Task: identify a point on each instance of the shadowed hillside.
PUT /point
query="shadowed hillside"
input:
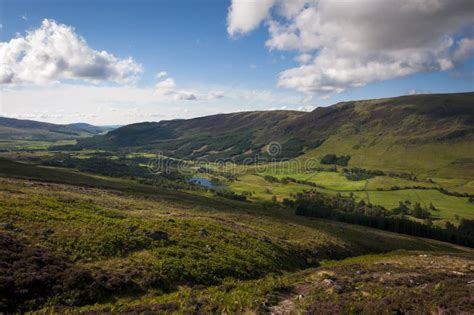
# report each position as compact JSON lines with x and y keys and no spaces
{"x":393,"y":133}
{"x":18,"y":129}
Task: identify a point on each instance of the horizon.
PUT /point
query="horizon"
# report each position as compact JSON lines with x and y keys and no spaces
{"x":109,"y":63}
{"x":264,"y":110}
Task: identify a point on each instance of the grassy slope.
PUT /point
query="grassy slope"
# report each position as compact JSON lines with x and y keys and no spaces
{"x":107,"y":222}
{"x":361,"y":285}
{"x":448,"y":160}
{"x":430,"y":135}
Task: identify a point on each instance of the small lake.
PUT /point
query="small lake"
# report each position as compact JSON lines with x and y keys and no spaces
{"x":201,"y":181}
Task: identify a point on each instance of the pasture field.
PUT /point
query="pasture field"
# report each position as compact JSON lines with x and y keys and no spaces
{"x":16,"y":145}
{"x":377,"y":190}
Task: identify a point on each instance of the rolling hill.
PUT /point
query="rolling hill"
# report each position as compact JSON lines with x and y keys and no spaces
{"x":18,"y":129}
{"x":431,"y":134}
{"x":78,"y":243}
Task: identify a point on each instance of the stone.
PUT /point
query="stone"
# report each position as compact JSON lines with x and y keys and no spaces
{"x":328,"y":282}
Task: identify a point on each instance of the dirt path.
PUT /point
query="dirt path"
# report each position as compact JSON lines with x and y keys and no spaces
{"x":287,"y":301}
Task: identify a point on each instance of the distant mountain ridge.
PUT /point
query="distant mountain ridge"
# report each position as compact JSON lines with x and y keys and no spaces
{"x":20,"y":129}
{"x":394,"y":133}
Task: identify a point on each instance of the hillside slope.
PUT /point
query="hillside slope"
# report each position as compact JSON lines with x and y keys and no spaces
{"x":18,"y":129}
{"x":85,"y":240}
{"x":425,"y":134}
{"x":400,"y":133}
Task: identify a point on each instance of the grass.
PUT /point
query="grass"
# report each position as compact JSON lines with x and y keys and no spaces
{"x":15,"y":145}
{"x":447,"y":206}
{"x":264,"y":190}
{"x":220,"y":255}
{"x":106,"y":231}
{"x":387,"y":182}
{"x":383,"y":154}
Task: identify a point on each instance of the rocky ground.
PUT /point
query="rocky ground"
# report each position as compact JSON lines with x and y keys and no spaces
{"x":413,"y":284}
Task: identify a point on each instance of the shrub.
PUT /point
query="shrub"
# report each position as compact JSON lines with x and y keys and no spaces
{"x":342,"y":160}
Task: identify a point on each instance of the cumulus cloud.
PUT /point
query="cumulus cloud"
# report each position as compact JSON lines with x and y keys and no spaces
{"x":246,"y":15}
{"x":54,"y":52}
{"x":357,"y":42}
{"x":303,"y":58}
{"x":167,"y":89}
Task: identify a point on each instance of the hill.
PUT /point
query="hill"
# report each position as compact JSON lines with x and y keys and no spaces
{"x":431,"y":134}
{"x":18,"y":129}
{"x":76,"y":242}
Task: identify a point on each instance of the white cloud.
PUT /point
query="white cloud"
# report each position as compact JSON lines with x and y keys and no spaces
{"x":166,"y":85}
{"x":168,"y":88}
{"x":306,"y":108}
{"x":246,"y":15}
{"x":465,"y":49}
{"x":303,"y":58}
{"x":126,"y":104}
{"x":416,"y":92}
{"x":24,"y":17}
{"x":54,"y":52}
{"x":214,"y":95}
{"x":161,"y":74}
{"x":356,"y":42}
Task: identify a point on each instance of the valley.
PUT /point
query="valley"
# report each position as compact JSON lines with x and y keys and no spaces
{"x":225,"y":214}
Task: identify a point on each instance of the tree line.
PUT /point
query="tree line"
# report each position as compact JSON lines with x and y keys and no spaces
{"x":347,"y":209}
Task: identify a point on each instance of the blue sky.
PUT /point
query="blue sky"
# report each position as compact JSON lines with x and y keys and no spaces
{"x":204,"y":51}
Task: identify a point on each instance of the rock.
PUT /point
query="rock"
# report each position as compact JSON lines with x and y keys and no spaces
{"x":209,"y":248}
{"x":328,"y":282}
{"x":7,"y":226}
{"x":457,"y":273}
{"x":203,"y":232}
{"x":157,"y":235}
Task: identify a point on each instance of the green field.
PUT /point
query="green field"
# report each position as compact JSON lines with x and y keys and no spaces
{"x":375,"y":190}
{"x":15,"y":145}
{"x":448,"y":207}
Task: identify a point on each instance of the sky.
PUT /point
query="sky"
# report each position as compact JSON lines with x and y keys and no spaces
{"x":117,"y":62}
